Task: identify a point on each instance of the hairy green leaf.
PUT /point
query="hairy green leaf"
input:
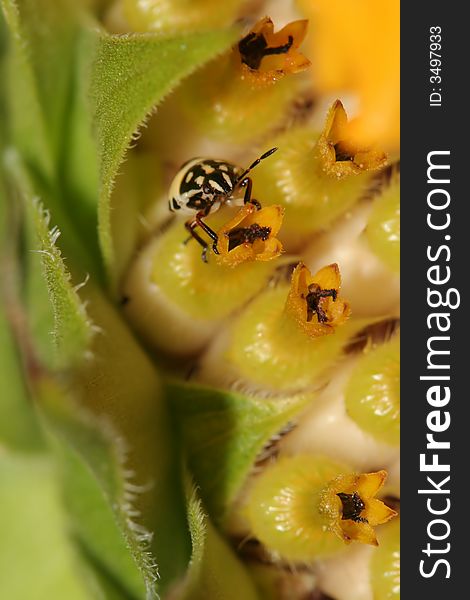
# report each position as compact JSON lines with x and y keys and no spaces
{"x":121,"y":480}
{"x":131,"y":75}
{"x":78,"y":167}
{"x":48,"y":111}
{"x":111,"y":410}
{"x":120,"y":384}
{"x":215,"y":572}
{"x":72,"y":330}
{"x":94,"y":476}
{"x":39,"y":76}
{"x":27,"y":123}
{"x":118,"y":425}
{"x":76,"y":98}
{"x":223,"y":432}
{"x":58,"y":317}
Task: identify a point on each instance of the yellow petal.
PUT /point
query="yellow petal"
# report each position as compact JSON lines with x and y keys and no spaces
{"x":269,"y":216}
{"x":295,"y":303}
{"x":370,"y":160}
{"x":368,"y":484}
{"x":296,"y":29}
{"x":345,"y":483}
{"x":315,"y":329}
{"x":265,"y":66}
{"x":360,"y":532}
{"x":236,"y":221}
{"x":264,"y":26}
{"x":336,"y":123}
{"x":258,"y":249}
{"x":328,"y":277}
{"x":301,"y":278}
{"x":338,"y":310}
{"x":376,"y":512}
{"x":223,"y":233}
{"x":272,"y":249}
{"x":361,"y":516}
{"x":292,"y":61}
{"x":235,"y":257}
{"x":340,"y":152}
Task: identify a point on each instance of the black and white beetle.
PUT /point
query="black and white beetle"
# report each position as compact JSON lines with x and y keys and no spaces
{"x":203,"y":185}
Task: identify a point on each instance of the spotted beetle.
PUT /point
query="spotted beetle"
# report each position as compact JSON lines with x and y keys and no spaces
{"x":203,"y":185}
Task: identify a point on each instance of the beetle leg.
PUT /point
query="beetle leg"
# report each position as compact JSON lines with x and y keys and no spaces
{"x":210,"y":232}
{"x":190,"y":225}
{"x":247,"y":197}
{"x":248,"y":184}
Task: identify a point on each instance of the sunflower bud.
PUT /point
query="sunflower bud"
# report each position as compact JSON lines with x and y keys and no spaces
{"x":315,"y":176}
{"x":170,"y":16}
{"x":244,"y":94}
{"x":278,"y":343}
{"x":250,"y":235}
{"x":177,"y":301}
{"x":306,"y":507}
{"x":313,"y":300}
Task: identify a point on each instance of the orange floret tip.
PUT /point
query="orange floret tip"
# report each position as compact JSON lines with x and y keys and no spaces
{"x":314,"y":300}
{"x":341,"y":155}
{"x":267,"y":56}
{"x":250,"y":235}
{"x":351,"y":505}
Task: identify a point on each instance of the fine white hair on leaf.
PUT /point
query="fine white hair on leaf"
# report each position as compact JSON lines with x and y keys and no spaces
{"x":54,"y":234}
{"x":82,"y":284}
{"x":96,"y":328}
{"x":138,"y":538}
{"x":138,"y":489}
{"x":45,"y":252}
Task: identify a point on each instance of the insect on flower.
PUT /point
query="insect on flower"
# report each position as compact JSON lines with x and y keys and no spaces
{"x":203,"y":185}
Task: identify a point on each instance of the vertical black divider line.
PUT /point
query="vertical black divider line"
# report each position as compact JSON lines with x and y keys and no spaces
{"x":427,"y":128}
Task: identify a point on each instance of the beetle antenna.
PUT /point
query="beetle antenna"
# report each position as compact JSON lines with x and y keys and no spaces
{"x":255,"y":163}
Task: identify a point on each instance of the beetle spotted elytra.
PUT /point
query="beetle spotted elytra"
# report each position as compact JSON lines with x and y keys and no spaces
{"x":203,"y":185}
